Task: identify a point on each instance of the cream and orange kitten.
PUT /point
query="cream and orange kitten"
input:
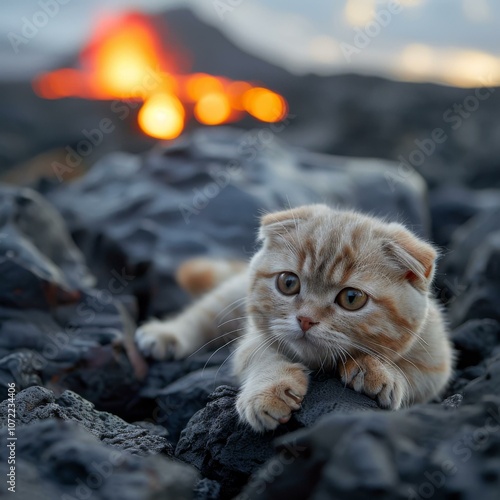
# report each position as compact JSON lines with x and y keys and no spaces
{"x":328,"y":289}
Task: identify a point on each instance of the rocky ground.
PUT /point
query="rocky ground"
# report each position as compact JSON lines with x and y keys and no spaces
{"x":82,"y":263}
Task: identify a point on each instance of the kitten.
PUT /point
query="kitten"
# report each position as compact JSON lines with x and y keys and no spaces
{"x":328,"y":289}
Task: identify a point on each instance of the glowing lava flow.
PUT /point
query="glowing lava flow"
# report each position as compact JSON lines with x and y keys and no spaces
{"x":125,"y":60}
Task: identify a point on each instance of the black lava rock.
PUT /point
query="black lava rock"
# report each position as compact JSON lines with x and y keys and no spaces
{"x":173,"y":391}
{"x":481,"y":282}
{"x":207,"y":489}
{"x":453,"y":205}
{"x":179,"y":401}
{"x":37,"y":403}
{"x":40,"y":263}
{"x":475,"y":340}
{"x":453,"y":402}
{"x":163,"y":373}
{"x":426,"y":451}
{"x":328,"y":395}
{"x":486,"y":382}
{"x":225,"y":450}
{"x":467,"y":276}
{"x":61,"y":459}
{"x":55,"y":328}
{"x":220,"y":447}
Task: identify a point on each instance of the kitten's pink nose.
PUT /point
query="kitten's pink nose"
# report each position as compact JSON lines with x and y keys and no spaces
{"x":306,"y":323}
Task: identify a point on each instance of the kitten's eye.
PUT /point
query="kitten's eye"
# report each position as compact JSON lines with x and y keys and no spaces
{"x":288,"y":284}
{"x":351,"y":299}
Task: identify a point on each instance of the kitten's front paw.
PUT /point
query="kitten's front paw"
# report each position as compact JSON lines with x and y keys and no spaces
{"x":372,"y":377}
{"x":265,"y":407}
{"x":160,"y":340}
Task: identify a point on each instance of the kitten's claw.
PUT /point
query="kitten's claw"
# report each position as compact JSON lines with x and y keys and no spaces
{"x":158,"y":340}
{"x":264,"y":408}
{"x":296,"y":397}
{"x":370,"y":376}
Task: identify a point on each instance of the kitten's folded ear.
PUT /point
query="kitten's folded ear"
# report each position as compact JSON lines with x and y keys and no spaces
{"x":282,"y":222}
{"x":414,"y":257}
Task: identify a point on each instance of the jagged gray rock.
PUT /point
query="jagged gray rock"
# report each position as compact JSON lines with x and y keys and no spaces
{"x":220,"y":447}
{"x":55,"y":327}
{"x":481,"y":281}
{"x":327,"y":394}
{"x":227,"y":451}
{"x":426,"y":451}
{"x":37,"y":404}
{"x":61,"y":459}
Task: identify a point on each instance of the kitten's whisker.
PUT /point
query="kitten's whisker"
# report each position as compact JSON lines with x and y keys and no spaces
{"x":268,"y":341}
{"x":293,"y":251}
{"x":281,"y":342}
{"x":232,"y":319}
{"x":217,"y":350}
{"x":234,"y":305}
{"x":381,"y":357}
{"x":296,"y":224}
{"x":346,"y":352}
{"x":396,"y":352}
{"x":341,"y":352}
{"x":355,"y":362}
{"x":215,"y":340}
{"x":265,"y":346}
{"x":262,"y":348}
{"x":322,"y":362}
{"x":219,"y":369}
{"x":418,"y":338}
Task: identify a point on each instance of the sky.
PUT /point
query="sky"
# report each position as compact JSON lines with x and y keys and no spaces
{"x":448,"y":41}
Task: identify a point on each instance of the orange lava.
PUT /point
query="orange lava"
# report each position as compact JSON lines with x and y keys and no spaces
{"x":125,"y":60}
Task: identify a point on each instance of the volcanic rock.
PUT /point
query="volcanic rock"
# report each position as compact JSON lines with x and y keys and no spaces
{"x":227,"y":451}
{"x":480,"y":286}
{"x":453,"y":205}
{"x":179,"y":401}
{"x":475,"y":340}
{"x":426,"y":451}
{"x":37,"y":403}
{"x":60,"y":459}
{"x":55,"y":327}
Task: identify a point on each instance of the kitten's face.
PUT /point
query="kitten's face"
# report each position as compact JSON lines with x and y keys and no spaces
{"x":326,"y":284}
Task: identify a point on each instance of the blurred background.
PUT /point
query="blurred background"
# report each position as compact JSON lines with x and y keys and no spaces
{"x":147,"y":69}
{"x":450,"y":41}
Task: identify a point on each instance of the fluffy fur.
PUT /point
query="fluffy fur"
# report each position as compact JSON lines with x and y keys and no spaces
{"x":394,"y":348}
